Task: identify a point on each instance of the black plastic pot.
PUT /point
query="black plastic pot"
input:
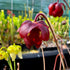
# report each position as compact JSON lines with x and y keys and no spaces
{"x":35,"y":61}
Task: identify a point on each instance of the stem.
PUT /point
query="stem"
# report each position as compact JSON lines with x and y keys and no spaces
{"x":2,"y":35}
{"x":2,"y":41}
{"x":64,"y":44}
{"x":66,"y":3}
{"x":29,"y":12}
{"x":55,"y":61}
{"x":12,"y":27}
{"x":18,"y":66}
{"x":62,"y":52}
{"x":11,"y":31}
{"x":25,"y":11}
{"x":43,"y":58}
{"x":14,"y":65}
{"x":9,"y":63}
{"x":53,"y":35}
{"x":60,"y":66}
{"x":57,"y":1}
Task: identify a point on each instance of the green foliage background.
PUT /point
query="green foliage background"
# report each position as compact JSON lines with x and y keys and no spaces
{"x":9,"y":26}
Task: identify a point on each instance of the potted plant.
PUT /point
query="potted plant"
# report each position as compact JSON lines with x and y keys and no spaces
{"x":35,"y":32}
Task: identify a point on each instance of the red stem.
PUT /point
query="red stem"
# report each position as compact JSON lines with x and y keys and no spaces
{"x":43,"y":59}
{"x":60,"y":65}
{"x":55,"y":62}
{"x":62,"y":53}
{"x":66,"y":3}
{"x":53,"y":35}
{"x":57,"y":1}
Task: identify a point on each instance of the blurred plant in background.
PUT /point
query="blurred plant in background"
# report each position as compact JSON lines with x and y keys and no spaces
{"x":60,"y":25}
{"x":6,"y":27}
{"x":9,"y":54}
